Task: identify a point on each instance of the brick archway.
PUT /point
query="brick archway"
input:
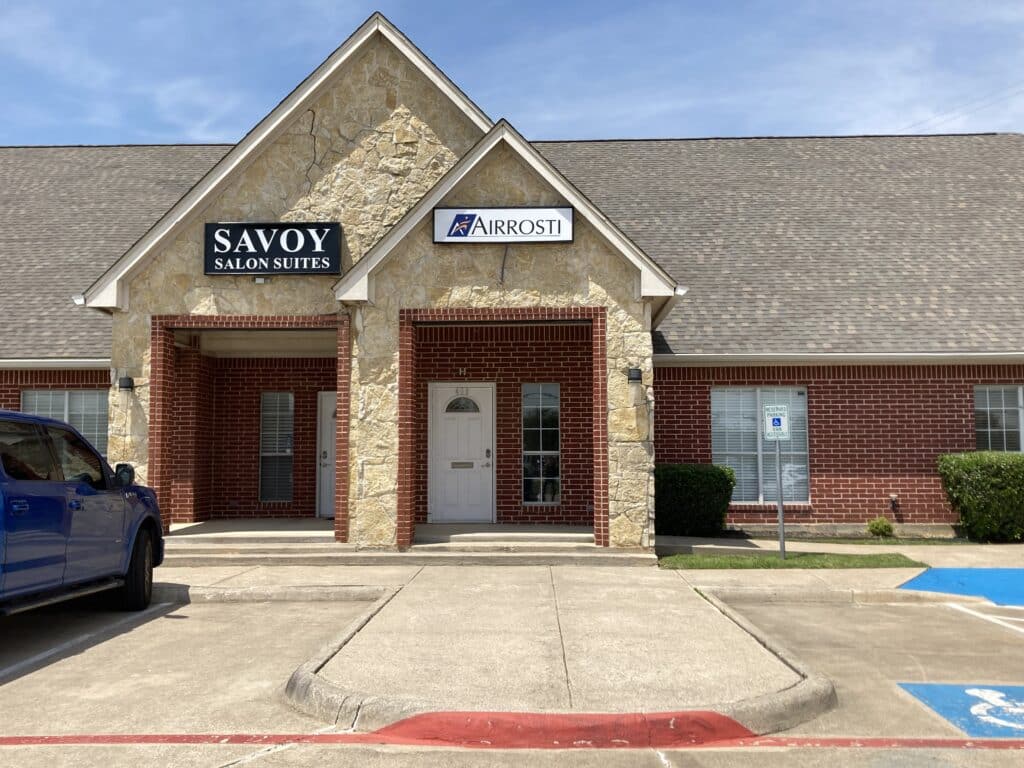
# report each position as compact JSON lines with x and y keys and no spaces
{"x":410,"y":420}
{"x":164,"y":421}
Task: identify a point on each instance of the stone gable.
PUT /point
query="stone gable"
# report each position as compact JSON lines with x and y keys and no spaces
{"x":363,"y":154}
{"x":422,"y":274}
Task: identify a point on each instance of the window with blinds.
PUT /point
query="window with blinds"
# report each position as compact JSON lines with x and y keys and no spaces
{"x":998,"y":413}
{"x":84,"y":409}
{"x":277,"y":434}
{"x":737,"y":442}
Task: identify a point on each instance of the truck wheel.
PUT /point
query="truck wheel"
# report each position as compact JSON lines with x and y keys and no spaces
{"x":138,"y":582}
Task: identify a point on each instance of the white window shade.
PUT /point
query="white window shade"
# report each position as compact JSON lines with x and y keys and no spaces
{"x":84,"y":409}
{"x":737,"y":442}
{"x":277,"y":435}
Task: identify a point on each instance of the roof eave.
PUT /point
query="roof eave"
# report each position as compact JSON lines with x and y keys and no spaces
{"x":107,"y":291}
{"x":356,"y":285}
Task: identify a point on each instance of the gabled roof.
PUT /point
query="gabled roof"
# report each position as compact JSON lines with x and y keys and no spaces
{"x":64,"y":211}
{"x":108,"y":291}
{"x":356,"y":284}
{"x":889,"y":248}
{"x":857,"y":246}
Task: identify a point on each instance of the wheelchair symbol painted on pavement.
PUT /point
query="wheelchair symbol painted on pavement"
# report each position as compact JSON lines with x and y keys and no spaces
{"x":996,"y":709}
{"x":985,"y":711}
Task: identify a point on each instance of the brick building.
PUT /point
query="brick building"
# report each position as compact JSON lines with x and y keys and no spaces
{"x":513,"y":332}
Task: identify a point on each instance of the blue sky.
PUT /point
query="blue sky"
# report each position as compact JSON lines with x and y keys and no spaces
{"x":93,"y":72}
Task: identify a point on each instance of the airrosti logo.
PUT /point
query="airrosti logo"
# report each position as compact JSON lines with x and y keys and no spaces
{"x":503,"y":225}
{"x":461,"y":224}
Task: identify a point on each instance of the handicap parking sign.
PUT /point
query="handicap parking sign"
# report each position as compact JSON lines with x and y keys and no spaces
{"x":980,"y":711}
{"x":776,"y":422}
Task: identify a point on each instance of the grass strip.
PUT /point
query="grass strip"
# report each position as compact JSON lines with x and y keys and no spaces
{"x":793,"y":560}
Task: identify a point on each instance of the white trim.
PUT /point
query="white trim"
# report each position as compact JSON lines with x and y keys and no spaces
{"x":54,"y":364}
{"x":668,"y":306}
{"x":834,"y":358}
{"x":356,"y":285}
{"x":109,"y":290}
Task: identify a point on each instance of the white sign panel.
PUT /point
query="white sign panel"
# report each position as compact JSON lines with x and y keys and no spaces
{"x":503,"y":225}
{"x":776,"y":422}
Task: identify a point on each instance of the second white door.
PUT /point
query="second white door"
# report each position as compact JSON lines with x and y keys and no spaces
{"x":461,"y":453}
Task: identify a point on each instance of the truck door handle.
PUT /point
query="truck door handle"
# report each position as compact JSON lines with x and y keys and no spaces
{"x":74,"y":504}
{"x":19,"y":506}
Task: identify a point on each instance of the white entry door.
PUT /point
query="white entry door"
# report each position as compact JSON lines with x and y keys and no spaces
{"x":326,"y":420}
{"x":461,"y":453}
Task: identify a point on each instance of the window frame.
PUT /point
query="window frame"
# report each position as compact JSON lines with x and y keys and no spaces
{"x":289,"y":453}
{"x":988,"y":410}
{"x":66,"y":415}
{"x":761,"y":449}
{"x":540,"y":451}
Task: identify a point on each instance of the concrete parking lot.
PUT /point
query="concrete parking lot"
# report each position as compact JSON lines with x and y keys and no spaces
{"x":201,"y":684}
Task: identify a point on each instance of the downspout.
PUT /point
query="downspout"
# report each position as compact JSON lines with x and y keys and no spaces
{"x":649,"y":538}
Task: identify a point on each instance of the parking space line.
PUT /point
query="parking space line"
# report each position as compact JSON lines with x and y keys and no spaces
{"x":67,"y":645}
{"x":986,"y":617}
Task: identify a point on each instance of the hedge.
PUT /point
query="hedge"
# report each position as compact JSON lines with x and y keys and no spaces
{"x":986,"y":489}
{"x":691,"y":499}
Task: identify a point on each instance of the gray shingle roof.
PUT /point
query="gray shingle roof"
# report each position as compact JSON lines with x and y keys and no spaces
{"x":806,"y":245}
{"x":788,"y":245}
{"x":66,"y":214}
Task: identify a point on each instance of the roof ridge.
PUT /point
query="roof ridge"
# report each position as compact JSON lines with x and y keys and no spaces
{"x":107,"y":146}
{"x":781,"y":138}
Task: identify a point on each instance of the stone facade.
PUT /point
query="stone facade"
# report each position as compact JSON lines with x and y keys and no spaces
{"x":363,"y":155}
{"x":366,"y":151}
{"x":422,"y":274}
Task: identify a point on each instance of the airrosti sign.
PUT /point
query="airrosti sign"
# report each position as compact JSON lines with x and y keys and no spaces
{"x":276,"y":248}
{"x":503,"y":225}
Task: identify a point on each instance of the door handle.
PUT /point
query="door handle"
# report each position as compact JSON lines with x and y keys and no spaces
{"x":19,"y":506}
{"x":74,"y":504}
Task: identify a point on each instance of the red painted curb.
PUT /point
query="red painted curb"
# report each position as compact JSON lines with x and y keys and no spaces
{"x":527,"y":730}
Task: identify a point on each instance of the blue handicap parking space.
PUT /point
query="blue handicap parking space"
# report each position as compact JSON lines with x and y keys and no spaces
{"x":980,"y":711}
{"x":1003,"y":586}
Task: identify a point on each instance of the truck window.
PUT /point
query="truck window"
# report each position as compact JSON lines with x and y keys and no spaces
{"x":24,"y":454}
{"x":78,"y":461}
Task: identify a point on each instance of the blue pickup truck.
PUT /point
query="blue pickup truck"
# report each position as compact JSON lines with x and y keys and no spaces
{"x":69,"y":526}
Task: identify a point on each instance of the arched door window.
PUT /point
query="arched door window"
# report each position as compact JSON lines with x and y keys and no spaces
{"x":462,"y":405}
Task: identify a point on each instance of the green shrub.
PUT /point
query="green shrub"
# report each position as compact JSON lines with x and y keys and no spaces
{"x":880,"y":526}
{"x":987,"y":490}
{"x":691,"y":499}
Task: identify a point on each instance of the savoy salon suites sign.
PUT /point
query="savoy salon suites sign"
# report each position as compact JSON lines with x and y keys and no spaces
{"x":503,"y":225}
{"x":277,"y":248}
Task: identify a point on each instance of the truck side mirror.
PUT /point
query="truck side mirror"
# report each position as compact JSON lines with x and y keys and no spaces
{"x":124,"y":475}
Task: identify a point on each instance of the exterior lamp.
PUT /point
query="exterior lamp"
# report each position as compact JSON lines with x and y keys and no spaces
{"x":634,"y":375}
{"x":126,"y":383}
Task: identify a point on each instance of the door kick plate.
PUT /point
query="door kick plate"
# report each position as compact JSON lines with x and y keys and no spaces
{"x":462,"y":465}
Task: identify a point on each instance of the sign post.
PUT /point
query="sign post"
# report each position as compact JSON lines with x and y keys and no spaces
{"x":776,"y":429}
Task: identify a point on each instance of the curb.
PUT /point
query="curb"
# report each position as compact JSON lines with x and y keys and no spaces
{"x":837,"y":596}
{"x":183,"y":594}
{"x":313,"y":695}
{"x":814,"y":695}
{"x":317,"y":697}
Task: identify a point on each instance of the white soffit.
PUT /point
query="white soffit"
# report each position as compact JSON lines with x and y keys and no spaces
{"x":109,"y":290}
{"x":355,"y":284}
{"x":837,"y":358}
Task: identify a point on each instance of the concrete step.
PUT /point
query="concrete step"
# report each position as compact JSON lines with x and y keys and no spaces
{"x":348,"y":556}
{"x":505,"y":537}
{"x":504,"y":545}
{"x":175,"y":539}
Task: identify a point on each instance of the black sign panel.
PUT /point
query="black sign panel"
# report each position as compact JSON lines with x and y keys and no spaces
{"x":277,"y":248}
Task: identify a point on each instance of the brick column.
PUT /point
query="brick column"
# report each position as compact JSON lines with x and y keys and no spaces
{"x":342,"y":428}
{"x":161,"y":394}
{"x":406,"y":429}
{"x":599,"y":371}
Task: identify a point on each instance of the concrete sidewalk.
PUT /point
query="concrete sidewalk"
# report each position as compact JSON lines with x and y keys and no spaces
{"x":935,"y":555}
{"x":555,"y":639}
